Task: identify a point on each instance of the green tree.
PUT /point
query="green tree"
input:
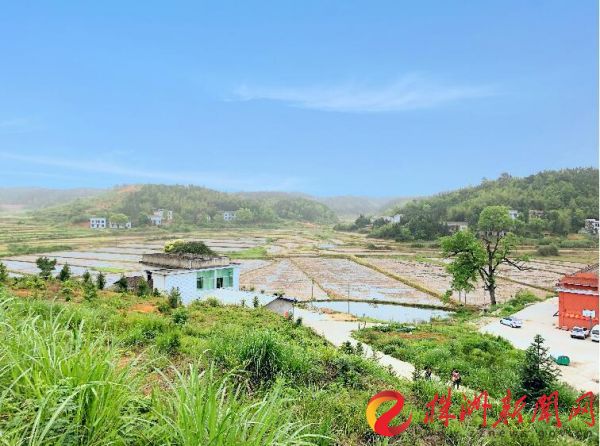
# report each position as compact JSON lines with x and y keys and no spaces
{"x":3,"y":273}
{"x":119,"y":219}
{"x":255,"y":302}
{"x":142,"y":288}
{"x":46,"y":266}
{"x":538,"y":373}
{"x":89,"y":292}
{"x":121,"y":284}
{"x":86,"y":276}
{"x":174,"y":298}
{"x":244,"y":215}
{"x":483,"y":253}
{"x":64,"y":273}
{"x":100,"y":281}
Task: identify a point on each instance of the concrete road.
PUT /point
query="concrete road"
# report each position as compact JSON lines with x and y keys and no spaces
{"x":338,"y":332}
{"x":538,"y":319}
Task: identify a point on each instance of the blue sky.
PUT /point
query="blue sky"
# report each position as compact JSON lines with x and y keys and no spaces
{"x":366,"y":98}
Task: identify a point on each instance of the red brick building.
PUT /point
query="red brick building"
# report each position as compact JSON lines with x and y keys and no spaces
{"x":578,"y":292}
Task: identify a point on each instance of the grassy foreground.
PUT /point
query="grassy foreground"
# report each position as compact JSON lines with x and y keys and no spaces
{"x":77,"y":369}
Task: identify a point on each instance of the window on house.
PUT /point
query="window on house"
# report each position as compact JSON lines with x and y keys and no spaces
{"x":219,"y":282}
{"x":200,"y":283}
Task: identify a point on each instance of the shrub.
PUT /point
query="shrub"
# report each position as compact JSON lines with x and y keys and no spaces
{"x":3,"y":273}
{"x":100,"y":281}
{"x":255,"y":302}
{"x":168,"y":343}
{"x":46,"y":266}
{"x":89,"y":292}
{"x":86,"y":276}
{"x":547,"y":250}
{"x":121,"y":284}
{"x":174,"y":298}
{"x":212,"y":301}
{"x":64,"y":273}
{"x":180,"y":316}
{"x":188,"y":247}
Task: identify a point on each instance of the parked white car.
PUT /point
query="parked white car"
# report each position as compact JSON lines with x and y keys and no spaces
{"x":511,"y":321}
{"x":580,"y":332}
{"x":595,"y":333}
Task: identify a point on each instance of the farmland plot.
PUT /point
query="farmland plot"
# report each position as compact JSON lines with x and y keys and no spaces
{"x":435,"y":277}
{"x":284,"y":276}
{"x":342,"y":277}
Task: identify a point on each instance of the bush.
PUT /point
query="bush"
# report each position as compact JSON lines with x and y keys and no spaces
{"x":180,"y":316}
{"x":168,"y":343}
{"x":548,"y":250}
{"x":100,"y":281}
{"x":191,"y":247}
{"x":174,"y":298}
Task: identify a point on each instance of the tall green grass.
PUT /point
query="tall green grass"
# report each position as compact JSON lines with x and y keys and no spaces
{"x":64,"y":383}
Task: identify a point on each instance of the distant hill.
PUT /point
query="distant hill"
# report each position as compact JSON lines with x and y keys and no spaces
{"x":350,"y":207}
{"x":566,"y":198}
{"x":192,"y":205}
{"x":14,"y":199}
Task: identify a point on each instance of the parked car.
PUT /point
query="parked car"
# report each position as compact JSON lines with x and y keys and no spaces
{"x":595,"y":333}
{"x":580,"y":332}
{"x":512,"y":321}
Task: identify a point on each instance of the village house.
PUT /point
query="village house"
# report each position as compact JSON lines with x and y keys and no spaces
{"x":513,"y":214}
{"x":194,"y":275}
{"x":455,"y":226}
{"x":161,"y":216}
{"x":535,"y":213}
{"x":578,"y":299}
{"x":396,"y":218}
{"x":98,"y":223}
{"x":228,"y":215}
{"x":591,"y":225}
{"x":113,"y":225}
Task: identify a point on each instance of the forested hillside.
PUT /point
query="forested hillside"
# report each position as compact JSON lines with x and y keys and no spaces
{"x":567,"y":197}
{"x":191,"y":205}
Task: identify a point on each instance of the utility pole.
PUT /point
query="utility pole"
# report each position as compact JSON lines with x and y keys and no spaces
{"x":348,"y":297}
{"x":312,"y":289}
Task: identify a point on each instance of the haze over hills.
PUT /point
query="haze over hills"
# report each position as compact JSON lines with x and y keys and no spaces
{"x":14,"y":199}
{"x":574,"y":191}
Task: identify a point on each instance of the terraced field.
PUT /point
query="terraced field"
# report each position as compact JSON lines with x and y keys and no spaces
{"x":343,"y":279}
{"x":434,"y":276}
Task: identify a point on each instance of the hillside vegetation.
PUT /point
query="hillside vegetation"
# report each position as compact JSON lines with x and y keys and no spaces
{"x":85,"y":366}
{"x":567,"y":197}
{"x":192,"y":205}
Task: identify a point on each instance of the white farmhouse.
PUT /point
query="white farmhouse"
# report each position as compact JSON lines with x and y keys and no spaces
{"x":195,"y":276}
{"x":113,"y":225}
{"x":228,"y":215}
{"x":98,"y":223}
{"x":454,"y":226}
{"x":161,"y":216}
{"x":592,"y":225}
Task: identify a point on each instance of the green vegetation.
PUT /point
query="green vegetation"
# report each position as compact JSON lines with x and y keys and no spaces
{"x":480,"y":256}
{"x":566,"y":198}
{"x":192,"y":206}
{"x":521,"y":300}
{"x":538,"y":372}
{"x":188,"y":247}
{"x":258,"y":252}
{"x":547,"y":251}
{"x":109,"y":371}
{"x":46,"y":266}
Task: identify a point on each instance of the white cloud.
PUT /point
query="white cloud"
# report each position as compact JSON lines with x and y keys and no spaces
{"x":408,"y":93}
{"x":218,"y":180}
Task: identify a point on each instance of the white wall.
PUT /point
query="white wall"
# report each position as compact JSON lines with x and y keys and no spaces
{"x":186,"y":282}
